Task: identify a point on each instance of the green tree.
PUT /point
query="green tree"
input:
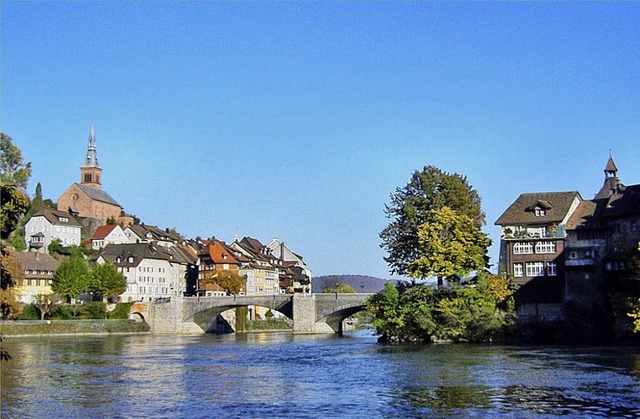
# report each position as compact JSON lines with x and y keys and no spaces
{"x":482,"y":311}
{"x":14,"y":205}
{"x":387,"y":312}
{"x":107,"y":281}
{"x":72,"y":278}
{"x":410,"y":207}
{"x":449,"y":245}
{"x":13,"y":169}
{"x":37,"y":203}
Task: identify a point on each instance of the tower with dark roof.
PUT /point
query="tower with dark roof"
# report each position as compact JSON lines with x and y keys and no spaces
{"x":611,"y":181}
{"x":90,"y":172}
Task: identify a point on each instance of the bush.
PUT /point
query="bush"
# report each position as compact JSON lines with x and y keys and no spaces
{"x":121,"y":312}
{"x":29,"y":312}
{"x":64,"y":312}
{"x":93,"y":310}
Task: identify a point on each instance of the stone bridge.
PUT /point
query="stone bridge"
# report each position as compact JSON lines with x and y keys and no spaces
{"x":311,"y":313}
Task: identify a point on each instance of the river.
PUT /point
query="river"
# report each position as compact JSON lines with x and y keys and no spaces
{"x":310,"y":376}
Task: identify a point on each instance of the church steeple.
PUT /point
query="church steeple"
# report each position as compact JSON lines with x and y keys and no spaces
{"x":91,"y":171}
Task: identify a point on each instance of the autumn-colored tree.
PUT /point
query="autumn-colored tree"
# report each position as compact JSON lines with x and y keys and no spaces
{"x":410,"y":207}
{"x":450,"y":244}
{"x":231,"y":282}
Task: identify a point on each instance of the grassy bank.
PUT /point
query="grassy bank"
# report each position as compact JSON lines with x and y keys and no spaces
{"x":70,"y":327}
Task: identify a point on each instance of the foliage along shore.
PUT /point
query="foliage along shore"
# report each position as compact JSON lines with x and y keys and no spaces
{"x":71,"y":327}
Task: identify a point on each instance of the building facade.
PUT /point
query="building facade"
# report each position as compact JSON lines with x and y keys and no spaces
{"x":39,"y":269}
{"x":48,"y":225}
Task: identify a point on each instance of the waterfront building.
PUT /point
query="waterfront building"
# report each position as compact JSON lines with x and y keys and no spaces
{"x":563,"y":249}
{"x":259,"y":266}
{"x":38,"y":269}
{"x":151,"y":271}
{"x":47,"y":225}
{"x":294,"y":275}
{"x":87,"y":199}
{"x":216,"y":257}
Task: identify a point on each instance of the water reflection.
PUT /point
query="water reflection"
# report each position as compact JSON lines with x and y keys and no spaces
{"x":285,"y":375}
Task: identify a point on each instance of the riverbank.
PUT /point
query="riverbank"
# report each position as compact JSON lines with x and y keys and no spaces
{"x":71,"y":327}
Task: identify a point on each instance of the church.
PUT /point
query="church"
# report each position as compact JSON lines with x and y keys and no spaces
{"x":87,"y":199}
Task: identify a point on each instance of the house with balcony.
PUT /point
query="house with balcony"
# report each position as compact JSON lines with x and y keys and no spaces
{"x":602,"y":234}
{"x":47,"y":225}
{"x":533,"y":235}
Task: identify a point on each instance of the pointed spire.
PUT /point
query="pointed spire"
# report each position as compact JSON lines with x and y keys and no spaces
{"x":92,"y":155}
{"x":610,"y":169}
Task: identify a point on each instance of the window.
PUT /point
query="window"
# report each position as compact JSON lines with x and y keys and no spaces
{"x":552,"y":269}
{"x":535,"y":268}
{"x":546,"y":247}
{"x":523,"y":248}
{"x":517,"y":270}
{"x":540,"y":212}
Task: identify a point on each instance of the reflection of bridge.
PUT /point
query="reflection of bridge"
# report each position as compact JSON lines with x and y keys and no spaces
{"x":315,"y":313}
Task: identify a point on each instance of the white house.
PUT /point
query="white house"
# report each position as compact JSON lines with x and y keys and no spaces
{"x":47,"y":225}
{"x":151,"y":271}
{"x":109,"y":234}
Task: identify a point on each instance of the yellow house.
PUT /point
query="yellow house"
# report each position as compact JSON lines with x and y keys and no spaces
{"x":38,"y":272}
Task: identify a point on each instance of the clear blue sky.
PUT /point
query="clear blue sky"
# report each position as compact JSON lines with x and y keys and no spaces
{"x":297,"y":120}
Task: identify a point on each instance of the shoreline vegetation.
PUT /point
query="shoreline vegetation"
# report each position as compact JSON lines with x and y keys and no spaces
{"x":14,"y":328}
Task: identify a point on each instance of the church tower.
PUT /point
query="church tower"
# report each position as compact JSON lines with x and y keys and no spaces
{"x":90,"y":173}
{"x":612,"y":183}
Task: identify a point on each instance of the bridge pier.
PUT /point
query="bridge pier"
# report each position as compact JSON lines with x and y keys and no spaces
{"x":304,"y":315}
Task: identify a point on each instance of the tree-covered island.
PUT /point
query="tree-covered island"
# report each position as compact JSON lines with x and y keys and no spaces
{"x":435,"y":232}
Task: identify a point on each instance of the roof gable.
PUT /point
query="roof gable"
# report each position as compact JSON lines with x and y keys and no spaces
{"x":98,"y":195}
{"x":522,"y":211}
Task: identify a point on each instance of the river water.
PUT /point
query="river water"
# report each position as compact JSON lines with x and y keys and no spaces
{"x":283,"y":375}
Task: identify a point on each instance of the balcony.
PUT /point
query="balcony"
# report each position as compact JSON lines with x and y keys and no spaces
{"x":579,"y":262}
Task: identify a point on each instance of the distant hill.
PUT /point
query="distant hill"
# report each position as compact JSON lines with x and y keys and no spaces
{"x":360,"y":283}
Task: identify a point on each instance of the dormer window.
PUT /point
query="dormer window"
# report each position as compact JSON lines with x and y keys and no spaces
{"x":539,"y":212}
{"x":118,"y":260}
{"x":63,"y":219}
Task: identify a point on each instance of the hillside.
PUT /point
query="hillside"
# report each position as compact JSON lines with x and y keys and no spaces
{"x":360,"y":283}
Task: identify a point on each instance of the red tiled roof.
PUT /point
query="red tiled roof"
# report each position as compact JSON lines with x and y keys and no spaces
{"x":103,"y":231}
